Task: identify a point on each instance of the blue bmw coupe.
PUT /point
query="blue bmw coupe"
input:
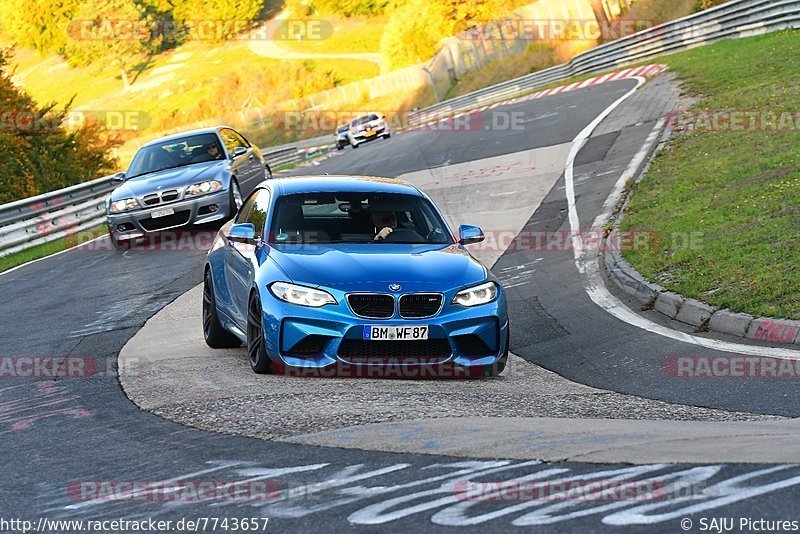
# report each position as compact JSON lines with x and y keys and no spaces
{"x":360,"y":272}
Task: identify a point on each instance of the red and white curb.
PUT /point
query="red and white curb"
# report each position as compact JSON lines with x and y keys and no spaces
{"x":645,"y":71}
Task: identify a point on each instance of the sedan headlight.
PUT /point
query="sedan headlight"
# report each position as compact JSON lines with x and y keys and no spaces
{"x":209,"y":186}
{"x":118,"y":206}
{"x":301,"y":295}
{"x":475,"y":296}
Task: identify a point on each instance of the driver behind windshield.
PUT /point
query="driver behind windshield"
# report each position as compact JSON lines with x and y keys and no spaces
{"x":210,"y":152}
{"x":385,"y":222}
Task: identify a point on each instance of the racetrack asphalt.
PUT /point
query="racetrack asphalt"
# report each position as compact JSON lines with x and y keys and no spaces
{"x":91,"y":302}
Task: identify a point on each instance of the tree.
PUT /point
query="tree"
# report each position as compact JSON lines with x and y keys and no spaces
{"x":38,"y":24}
{"x":111,"y":31}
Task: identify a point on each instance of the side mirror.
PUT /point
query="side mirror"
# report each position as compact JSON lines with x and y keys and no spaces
{"x":242,"y":233}
{"x":239,"y":151}
{"x":119,"y":177}
{"x":467,"y":235}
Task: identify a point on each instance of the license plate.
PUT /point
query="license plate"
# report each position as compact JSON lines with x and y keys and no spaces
{"x":395,"y":333}
{"x":370,"y":133}
{"x":162,"y":213}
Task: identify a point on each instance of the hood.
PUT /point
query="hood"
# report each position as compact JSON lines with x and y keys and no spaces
{"x":169,"y":179}
{"x":370,"y":267}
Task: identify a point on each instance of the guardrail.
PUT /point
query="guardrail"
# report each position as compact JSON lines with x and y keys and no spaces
{"x":50,"y":216}
{"x":738,"y":18}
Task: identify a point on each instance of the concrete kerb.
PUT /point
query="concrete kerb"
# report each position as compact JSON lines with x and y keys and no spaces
{"x":689,"y":311}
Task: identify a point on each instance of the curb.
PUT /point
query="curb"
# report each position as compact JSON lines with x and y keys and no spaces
{"x":685,"y":310}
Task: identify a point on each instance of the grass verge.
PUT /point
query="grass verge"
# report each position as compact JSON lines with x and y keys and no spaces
{"x":40,"y":251}
{"x":724,"y":203}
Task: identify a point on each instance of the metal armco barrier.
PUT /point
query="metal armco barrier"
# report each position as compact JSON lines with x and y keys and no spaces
{"x":738,"y":18}
{"x":50,"y":216}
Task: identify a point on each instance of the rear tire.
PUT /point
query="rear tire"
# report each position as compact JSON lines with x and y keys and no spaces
{"x":216,"y":337}
{"x":256,"y":348}
{"x":354,"y":145}
{"x":387,"y":136}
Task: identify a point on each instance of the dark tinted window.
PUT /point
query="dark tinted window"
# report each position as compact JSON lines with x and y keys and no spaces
{"x":356,"y":218}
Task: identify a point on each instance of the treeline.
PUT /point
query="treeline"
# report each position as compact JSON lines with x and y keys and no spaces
{"x":414,"y":27}
{"x":119,"y":31}
{"x":36,"y":154}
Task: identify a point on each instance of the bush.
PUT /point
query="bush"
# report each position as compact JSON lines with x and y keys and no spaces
{"x":37,"y":157}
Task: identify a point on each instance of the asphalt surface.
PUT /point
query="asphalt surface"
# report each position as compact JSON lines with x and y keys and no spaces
{"x":90,"y":302}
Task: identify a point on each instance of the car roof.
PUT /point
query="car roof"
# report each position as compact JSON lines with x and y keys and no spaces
{"x":341,"y":184}
{"x":210,"y":129}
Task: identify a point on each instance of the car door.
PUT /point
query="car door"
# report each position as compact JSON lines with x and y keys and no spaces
{"x":248,"y":167}
{"x":240,"y":269}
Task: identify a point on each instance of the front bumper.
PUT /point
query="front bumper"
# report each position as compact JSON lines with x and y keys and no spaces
{"x":360,"y":137}
{"x":197,"y":210}
{"x":465,"y":337}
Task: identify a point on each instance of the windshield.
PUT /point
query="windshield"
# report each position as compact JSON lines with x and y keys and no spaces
{"x":374,"y":218}
{"x":175,"y":153}
{"x":364,"y":119}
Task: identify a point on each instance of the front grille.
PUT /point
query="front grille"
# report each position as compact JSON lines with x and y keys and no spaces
{"x":156,"y":198}
{"x":308,"y":346}
{"x":418,"y":350}
{"x":169,"y":196}
{"x":176,"y":219}
{"x":372,"y":305}
{"x":420,"y":305}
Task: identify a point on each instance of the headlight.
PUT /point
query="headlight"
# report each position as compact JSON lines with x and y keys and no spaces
{"x":118,"y":206}
{"x":301,"y":295}
{"x":475,"y":296}
{"x":202,"y":188}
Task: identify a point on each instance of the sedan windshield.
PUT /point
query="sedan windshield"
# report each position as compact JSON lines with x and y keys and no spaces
{"x":373,"y":218}
{"x":175,"y":153}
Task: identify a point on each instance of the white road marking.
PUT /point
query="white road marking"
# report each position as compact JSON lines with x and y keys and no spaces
{"x":50,"y":255}
{"x":590,"y":270}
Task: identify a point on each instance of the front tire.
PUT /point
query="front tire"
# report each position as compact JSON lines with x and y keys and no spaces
{"x":387,"y":136}
{"x":500,"y":365}
{"x":235,"y":200}
{"x":256,"y":348}
{"x":216,"y":337}
{"x":267,"y":172}
{"x":119,"y":244}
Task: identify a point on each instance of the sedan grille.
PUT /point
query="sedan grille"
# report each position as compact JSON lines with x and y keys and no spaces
{"x":177,"y":219}
{"x":372,"y":305}
{"x":156,"y":198}
{"x":420,"y":305}
{"x":417,"y":350}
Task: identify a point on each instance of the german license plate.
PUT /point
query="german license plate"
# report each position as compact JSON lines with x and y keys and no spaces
{"x":162,"y":213}
{"x":395,"y":333}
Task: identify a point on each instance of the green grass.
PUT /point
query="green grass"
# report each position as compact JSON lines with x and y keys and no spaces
{"x":40,"y":251}
{"x":348,"y":36}
{"x":725,"y":206}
